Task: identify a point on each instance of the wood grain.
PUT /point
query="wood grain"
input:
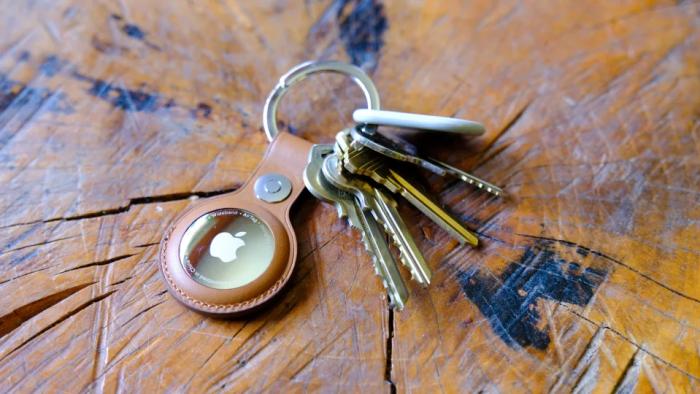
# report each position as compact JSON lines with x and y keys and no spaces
{"x":114,"y":116}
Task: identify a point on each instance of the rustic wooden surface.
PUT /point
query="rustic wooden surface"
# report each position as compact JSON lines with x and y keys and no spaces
{"x":115,"y":115}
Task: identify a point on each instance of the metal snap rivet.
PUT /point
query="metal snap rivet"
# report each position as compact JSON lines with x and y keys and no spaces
{"x":272,"y":187}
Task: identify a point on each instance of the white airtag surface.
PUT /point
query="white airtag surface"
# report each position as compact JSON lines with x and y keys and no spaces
{"x":226,"y":248}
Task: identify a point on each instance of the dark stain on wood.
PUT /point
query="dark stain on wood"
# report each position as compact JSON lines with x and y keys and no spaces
{"x":133,"y":30}
{"x":136,"y":99}
{"x":24,"y":56}
{"x":203,"y":109}
{"x":362,"y":25}
{"x":509,"y":301}
{"x":51,"y":65}
{"x":17,"y":94}
{"x":130,"y":100}
{"x":107,"y":47}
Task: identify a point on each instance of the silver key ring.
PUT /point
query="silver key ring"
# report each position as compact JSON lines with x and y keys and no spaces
{"x":301,"y":72}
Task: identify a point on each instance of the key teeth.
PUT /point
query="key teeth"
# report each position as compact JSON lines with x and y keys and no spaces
{"x":402,"y":253}
{"x":393,"y":303}
{"x":371,"y":254}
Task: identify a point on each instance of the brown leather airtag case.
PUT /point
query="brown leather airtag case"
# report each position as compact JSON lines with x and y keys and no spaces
{"x":232,"y":253}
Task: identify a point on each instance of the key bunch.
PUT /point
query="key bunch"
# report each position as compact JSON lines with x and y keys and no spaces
{"x":361,"y":174}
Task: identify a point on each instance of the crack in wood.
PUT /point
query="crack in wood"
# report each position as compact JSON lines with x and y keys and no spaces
{"x":319,"y":247}
{"x":613,"y":260}
{"x":389,"y":350}
{"x":630,"y":341}
{"x":146,"y":244}
{"x":132,"y":202}
{"x":244,"y":359}
{"x":142,"y":312}
{"x":17,"y":317}
{"x":57,"y":322}
{"x":24,"y":274}
{"x":121,"y":281}
{"x":98,"y":263}
{"x":4,"y":252}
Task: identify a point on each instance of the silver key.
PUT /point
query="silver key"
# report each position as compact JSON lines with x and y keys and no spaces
{"x":372,"y":235}
{"x":393,"y":149}
{"x":383,"y":209}
{"x":405,"y":151}
{"x":315,"y":183}
{"x":469,"y":178}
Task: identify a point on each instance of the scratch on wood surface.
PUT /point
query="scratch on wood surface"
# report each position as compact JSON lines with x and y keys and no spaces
{"x":589,"y":379}
{"x":117,"y":361}
{"x":635,"y":344}
{"x":584,"y":362}
{"x":559,"y":350}
{"x":628,"y":380}
{"x":101,"y":329}
{"x":510,"y":124}
{"x":313,"y":357}
{"x":206,"y":361}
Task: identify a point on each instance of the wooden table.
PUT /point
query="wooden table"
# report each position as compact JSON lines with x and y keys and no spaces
{"x":114,"y":116}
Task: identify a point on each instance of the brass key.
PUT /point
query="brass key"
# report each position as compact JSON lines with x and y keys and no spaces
{"x":362,"y":161}
{"x":382,"y":207}
{"x":349,"y":207}
{"x":405,"y":151}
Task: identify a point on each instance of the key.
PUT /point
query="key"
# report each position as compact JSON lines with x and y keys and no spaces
{"x":314,"y":182}
{"x":372,"y":235}
{"x":405,"y":151}
{"x":344,"y":148}
{"x":384,"y":210}
{"x":470,"y":179}
{"x":394,"y":150}
{"x":362,"y":161}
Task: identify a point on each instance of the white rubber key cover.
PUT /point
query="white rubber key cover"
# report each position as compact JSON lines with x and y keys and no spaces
{"x":418,"y":121}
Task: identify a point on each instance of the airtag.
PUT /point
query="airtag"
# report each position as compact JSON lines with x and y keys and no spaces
{"x":227,"y":248}
{"x":231,"y":254}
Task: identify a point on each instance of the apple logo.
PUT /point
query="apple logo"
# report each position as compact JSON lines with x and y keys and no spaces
{"x":225,"y":246}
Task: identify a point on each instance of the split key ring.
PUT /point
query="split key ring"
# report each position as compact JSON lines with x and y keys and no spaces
{"x":303,"y":71}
